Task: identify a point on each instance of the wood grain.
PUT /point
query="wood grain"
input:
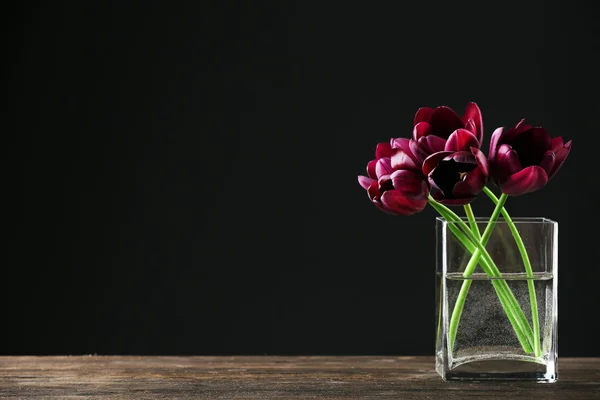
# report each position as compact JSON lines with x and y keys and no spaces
{"x":270,"y":377}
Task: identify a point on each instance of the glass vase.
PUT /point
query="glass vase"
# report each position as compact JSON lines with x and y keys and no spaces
{"x":490,"y":318}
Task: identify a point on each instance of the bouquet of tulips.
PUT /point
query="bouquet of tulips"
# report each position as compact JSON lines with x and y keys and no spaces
{"x":443,"y":165}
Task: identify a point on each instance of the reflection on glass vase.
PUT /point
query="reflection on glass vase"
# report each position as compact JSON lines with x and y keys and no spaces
{"x":496,"y":304}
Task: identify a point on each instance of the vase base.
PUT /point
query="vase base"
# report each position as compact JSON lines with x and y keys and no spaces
{"x":481,"y":376}
{"x":500,"y":370}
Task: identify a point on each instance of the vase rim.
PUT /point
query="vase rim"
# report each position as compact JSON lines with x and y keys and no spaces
{"x":516,"y":220}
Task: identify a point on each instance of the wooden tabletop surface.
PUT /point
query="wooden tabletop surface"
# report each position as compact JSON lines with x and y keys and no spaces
{"x":270,"y":377}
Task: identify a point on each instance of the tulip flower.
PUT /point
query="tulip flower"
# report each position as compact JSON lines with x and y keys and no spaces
{"x":459,"y":172}
{"x":433,"y":127}
{"x":395,"y":183}
{"x":522,"y":159}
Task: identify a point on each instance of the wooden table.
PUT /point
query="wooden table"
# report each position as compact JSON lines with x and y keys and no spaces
{"x":270,"y":377}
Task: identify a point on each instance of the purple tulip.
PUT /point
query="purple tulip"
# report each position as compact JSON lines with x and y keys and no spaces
{"x":522,"y":159}
{"x":395,"y":183}
{"x":433,"y":127}
{"x":459,"y":172}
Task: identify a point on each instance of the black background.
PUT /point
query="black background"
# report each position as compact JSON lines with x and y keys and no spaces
{"x":181,"y":176}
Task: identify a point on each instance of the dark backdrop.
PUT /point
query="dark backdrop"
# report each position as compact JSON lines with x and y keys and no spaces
{"x":181,"y":176}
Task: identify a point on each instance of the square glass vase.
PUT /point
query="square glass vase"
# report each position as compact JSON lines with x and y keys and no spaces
{"x":496,"y":301}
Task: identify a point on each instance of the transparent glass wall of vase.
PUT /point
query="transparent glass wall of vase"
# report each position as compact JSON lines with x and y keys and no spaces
{"x":486,"y":317}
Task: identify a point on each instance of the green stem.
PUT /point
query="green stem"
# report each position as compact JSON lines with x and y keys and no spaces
{"x":472,"y":221}
{"x":528,"y":270}
{"x":466,"y":285}
{"x":505,"y":295}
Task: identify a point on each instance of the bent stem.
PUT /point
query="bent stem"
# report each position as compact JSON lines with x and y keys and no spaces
{"x":528,"y":270}
{"x":507,"y":299}
{"x":472,"y":221}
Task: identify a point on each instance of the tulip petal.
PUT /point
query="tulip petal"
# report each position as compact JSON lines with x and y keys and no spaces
{"x":481,"y":160}
{"x":439,"y":197}
{"x":383,"y":167}
{"x":404,"y":144}
{"x":411,"y":184}
{"x":473,"y":113}
{"x":557,"y":143}
{"x":507,"y":163}
{"x":531,"y":145}
{"x":365,"y":182}
{"x":548,"y":162}
{"x":399,"y":143}
{"x":444,"y":121}
{"x":561,"y":156}
{"x":421,"y":129}
{"x":385,"y":183}
{"x":434,"y":185}
{"x":373,"y":191}
{"x":472,"y":184}
{"x":371,"y":170}
{"x":470,"y":126}
{"x":513,"y":133}
{"x":423,"y":114}
{"x":494,"y":141}
{"x":522,"y":127}
{"x":433,"y":160}
{"x":432,"y":143}
{"x":462,"y":157}
{"x":402,"y":160}
{"x":540,"y":136}
{"x":383,"y":150}
{"x":395,"y":202}
{"x":525,"y":181}
{"x":419,"y":151}
{"x":461,"y":140}
{"x":426,"y":146}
